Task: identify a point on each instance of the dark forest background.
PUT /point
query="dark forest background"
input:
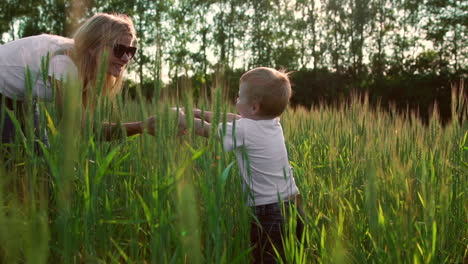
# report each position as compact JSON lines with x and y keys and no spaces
{"x":404,"y":53}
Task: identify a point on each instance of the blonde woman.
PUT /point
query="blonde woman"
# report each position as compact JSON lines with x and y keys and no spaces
{"x":69,"y":59}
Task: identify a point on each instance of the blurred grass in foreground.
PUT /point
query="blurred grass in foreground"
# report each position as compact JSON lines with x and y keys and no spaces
{"x":377,"y":188}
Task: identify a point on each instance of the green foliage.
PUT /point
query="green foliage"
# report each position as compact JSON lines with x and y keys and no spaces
{"x":377,"y":188}
{"x":304,"y":34}
{"x":363,"y":41}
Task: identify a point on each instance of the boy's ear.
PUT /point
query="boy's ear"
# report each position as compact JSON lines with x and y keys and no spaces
{"x":255,"y":108}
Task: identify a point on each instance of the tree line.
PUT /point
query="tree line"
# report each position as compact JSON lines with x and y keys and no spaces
{"x":403,"y":52}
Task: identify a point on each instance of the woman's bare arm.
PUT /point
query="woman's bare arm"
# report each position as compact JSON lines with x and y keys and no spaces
{"x":113,"y":130}
{"x":109,"y":130}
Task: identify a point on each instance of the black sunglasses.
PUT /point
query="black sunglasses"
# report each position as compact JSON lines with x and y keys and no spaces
{"x":119,"y":50}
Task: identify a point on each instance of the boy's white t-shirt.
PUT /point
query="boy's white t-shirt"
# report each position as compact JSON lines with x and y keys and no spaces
{"x":262,"y":141}
{"x":15,"y":56}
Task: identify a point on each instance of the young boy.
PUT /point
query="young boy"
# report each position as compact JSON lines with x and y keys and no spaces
{"x":256,"y":132}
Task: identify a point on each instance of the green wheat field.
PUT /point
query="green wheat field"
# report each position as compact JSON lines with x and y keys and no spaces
{"x":377,"y":187}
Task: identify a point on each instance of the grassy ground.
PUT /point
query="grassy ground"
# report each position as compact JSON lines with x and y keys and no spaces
{"x":377,"y":188}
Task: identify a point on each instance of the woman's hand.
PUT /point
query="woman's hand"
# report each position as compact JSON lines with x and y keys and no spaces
{"x":197,"y":113}
{"x":150,"y":125}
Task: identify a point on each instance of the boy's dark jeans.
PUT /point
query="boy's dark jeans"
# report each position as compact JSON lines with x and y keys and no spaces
{"x":269,"y":233}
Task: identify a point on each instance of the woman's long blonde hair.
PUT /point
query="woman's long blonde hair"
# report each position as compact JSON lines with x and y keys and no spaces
{"x":98,"y":35}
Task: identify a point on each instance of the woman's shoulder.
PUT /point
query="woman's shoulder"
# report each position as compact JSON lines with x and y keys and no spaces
{"x":55,"y":42}
{"x":55,"y":38}
{"x":37,"y":45}
{"x":42,"y":39}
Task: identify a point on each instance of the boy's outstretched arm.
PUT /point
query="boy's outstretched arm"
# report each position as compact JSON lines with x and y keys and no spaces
{"x":201,"y":127}
{"x":208,"y":115}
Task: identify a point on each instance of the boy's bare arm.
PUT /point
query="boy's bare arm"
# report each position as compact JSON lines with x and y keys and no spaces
{"x":201,"y":127}
{"x":208,"y":115}
{"x":231,"y":117}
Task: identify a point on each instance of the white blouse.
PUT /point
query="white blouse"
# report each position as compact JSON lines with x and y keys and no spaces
{"x":30,"y":52}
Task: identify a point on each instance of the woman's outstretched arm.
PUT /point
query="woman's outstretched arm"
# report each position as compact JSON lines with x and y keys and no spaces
{"x":113,"y":130}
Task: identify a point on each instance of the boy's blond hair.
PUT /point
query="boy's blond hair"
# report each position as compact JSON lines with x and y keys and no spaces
{"x":270,"y":88}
